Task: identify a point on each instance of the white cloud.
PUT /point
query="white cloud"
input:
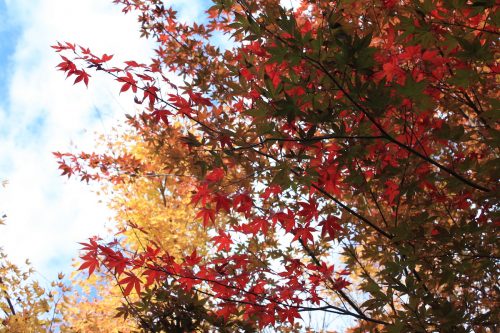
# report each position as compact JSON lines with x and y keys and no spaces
{"x":47,"y":214}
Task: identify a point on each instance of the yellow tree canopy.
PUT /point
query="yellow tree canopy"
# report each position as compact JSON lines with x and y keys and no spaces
{"x":152,"y":207}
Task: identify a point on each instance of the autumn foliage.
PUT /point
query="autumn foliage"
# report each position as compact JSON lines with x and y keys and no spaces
{"x":339,"y":157}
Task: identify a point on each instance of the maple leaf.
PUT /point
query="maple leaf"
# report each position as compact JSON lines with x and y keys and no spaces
{"x":273,"y":189}
{"x":273,"y":71}
{"x":117,"y":261}
{"x":304,"y":233}
{"x":59,"y":47}
{"x":226,"y":310}
{"x":296,"y":91}
{"x":391,"y":190}
{"x":85,"y":51}
{"x":223,"y":241}
{"x":161,"y":115}
{"x":207,"y":215}
{"x":67,"y":66}
{"x":260,"y":224}
{"x":289,"y":314}
{"x":222,"y":202}
{"x":202,"y":194}
{"x":90,"y":258}
{"x":243,"y":203}
{"x":151,"y":252}
{"x":246,"y":73}
{"x":96,"y":60}
{"x":90,"y":262}
{"x":256,"y":225}
{"x":330,"y":227}
{"x":411,"y":52}
{"x":151,"y":92}
{"x":309,"y":209}
{"x":181,"y":103}
{"x":131,"y":282}
{"x":81,"y":75}
{"x":153,"y":274}
{"x":188,"y":282}
{"x":214,"y":176}
{"x":193,"y":259}
{"x":132,"y":63}
{"x":249,"y":228}
{"x":197,"y":99}
{"x":391,"y":70}
{"x":105,"y":58}
{"x":256,"y":48}
{"x":287,"y":220}
{"x":128,"y":82}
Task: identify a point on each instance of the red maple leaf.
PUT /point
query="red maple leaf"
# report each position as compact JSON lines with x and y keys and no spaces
{"x":90,"y":259}
{"x":117,"y":261}
{"x":198,"y":99}
{"x":208,"y":215}
{"x":192,"y":259}
{"x":288,"y":314}
{"x":222,"y":202}
{"x":243,"y":203}
{"x":287,"y":220}
{"x":151,"y":92}
{"x":273,"y":189}
{"x":309,"y":209}
{"x":203,"y":195}
{"x":215,"y":175}
{"x":128,"y":82}
{"x":305,"y":234}
{"x":391,"y":191}
{"x":82,"y":76}
{"x":161,"y":115}
{"x":227,"y":310}
{"x":131,"y":282}
{"x":67,"y":66}
{"x":153,"y":274}
{"x":90,"y":262}
{"x":223,"y":241}
{"x":330,"y":227}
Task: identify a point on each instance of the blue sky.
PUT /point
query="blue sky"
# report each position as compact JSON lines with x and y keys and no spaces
{"x":9,"y":33}
{"x":41,"y":112}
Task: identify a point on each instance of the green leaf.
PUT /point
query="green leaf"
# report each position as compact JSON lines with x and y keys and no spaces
{"x":282,"y":178}
{"x":412,"y":88}
{"x":256,"y":112}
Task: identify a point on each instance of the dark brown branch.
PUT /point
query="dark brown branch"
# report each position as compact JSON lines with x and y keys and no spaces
{"x":312,"y":139}
{"x":9,"y":302}
{"x":136,"y":313}
{"x":341,"y":293}
{"x":331,"y":197}
{"x":300,"y":308}
{"x":205,"y":126}
{"x":374,"y":198}
{"x":466,"y":26}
